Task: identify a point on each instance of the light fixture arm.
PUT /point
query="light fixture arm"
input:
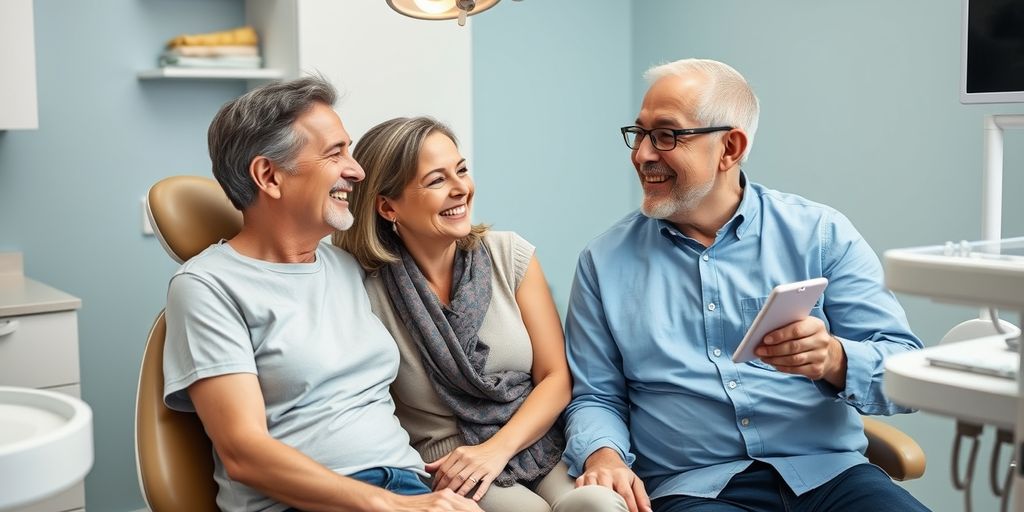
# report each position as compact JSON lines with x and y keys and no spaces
{"x":464,"y":6}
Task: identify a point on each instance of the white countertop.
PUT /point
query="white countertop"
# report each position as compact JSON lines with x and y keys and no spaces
{"x":983,"y":273}
{"x":20,"y":295}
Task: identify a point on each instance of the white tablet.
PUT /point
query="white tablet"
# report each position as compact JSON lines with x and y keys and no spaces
{"x":786,"y":304}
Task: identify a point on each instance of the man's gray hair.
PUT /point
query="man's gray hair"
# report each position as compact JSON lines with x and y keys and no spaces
{"x":259,"y":123}
{"x":727,"y":101}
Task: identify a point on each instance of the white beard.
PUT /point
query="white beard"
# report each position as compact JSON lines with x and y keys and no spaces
{"x":339,"y":219}
{"x":679,"y":202}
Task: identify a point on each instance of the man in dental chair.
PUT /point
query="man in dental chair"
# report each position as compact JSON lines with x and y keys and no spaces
{"x":270,"y":336}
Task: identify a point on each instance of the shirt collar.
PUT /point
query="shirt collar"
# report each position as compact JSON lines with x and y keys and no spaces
{"x":745,"y":216}
{"x":746,"y":213}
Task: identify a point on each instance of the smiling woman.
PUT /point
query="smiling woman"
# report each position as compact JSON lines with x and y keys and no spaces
{"x":410,"y":162}
{"x":434,"y":205}
{"x":483,"y":377}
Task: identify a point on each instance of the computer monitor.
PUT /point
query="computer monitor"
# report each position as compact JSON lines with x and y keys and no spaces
{"x":992,"y":52}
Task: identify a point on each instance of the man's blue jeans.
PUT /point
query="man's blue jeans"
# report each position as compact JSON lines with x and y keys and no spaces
{"x":760,"y":488}
{"x":398,"y":481}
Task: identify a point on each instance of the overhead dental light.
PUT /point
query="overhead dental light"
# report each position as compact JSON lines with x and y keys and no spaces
{"x":441,"y":9}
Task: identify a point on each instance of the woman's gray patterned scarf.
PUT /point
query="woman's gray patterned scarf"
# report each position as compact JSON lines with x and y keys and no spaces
{"x":454,"y":357}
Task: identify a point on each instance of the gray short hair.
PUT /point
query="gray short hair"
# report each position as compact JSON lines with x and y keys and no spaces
{"x":728,"y":99}
{"x":259,"y":123}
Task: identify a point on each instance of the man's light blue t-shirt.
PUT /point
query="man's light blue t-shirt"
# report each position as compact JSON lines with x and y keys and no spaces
{"x":654,"y":317}
{"x":323,"y":360}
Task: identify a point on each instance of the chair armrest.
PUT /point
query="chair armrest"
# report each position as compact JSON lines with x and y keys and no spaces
{"x":893,"y":451}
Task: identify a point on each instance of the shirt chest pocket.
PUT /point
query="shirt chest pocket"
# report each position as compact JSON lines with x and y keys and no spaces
{"x":749,"y":308}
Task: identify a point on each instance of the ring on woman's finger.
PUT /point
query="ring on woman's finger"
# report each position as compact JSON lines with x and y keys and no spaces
{"x":473,"y":480}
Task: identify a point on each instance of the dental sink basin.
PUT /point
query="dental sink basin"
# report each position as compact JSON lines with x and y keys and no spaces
{"x":45,"y":444}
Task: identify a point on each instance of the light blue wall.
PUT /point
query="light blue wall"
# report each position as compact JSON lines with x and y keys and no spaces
{"x":70,"y":191}
{"x":860,"y":111}
{"x":551,"y":86}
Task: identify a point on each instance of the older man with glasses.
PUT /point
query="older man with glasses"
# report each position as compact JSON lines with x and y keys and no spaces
{"x":661,"y":300}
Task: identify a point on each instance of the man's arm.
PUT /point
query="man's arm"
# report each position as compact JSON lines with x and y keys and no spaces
{"x":233,"y":413}
{"x":866,"y":321}
{"x":597,"y":430}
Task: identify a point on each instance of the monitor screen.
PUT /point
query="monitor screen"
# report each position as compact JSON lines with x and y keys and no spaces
{"x":992,"y":52}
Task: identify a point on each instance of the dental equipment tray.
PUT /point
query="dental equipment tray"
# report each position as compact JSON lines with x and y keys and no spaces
{"x":988,"y":273}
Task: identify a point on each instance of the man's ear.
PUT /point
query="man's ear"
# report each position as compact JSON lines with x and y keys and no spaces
{"x":385,"y":209}
{"x":266,"y":176}
{"x":735,"y":142}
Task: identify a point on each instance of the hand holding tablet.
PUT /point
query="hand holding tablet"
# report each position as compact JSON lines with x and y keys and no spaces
{"x":786,"y":304}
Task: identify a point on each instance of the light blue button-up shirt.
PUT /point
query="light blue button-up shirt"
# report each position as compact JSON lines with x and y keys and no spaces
{"x":654,"y":317}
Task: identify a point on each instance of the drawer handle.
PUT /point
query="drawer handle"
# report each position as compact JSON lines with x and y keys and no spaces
{"x":8,"y":327}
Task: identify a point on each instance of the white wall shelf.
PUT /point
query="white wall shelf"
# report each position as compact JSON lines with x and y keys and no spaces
{"x":211,"y":73}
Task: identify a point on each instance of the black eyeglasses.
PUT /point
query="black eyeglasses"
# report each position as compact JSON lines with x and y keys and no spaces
{"x":663,"y":139}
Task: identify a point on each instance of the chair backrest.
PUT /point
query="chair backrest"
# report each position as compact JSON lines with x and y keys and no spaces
{"x":188,"y":213}
{"x":173,"y":455}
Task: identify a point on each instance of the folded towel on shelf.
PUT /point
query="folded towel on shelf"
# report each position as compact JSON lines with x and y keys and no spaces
{"x":236,"y":36}
{"x":212,"y":51}
{"x":235,"y":61}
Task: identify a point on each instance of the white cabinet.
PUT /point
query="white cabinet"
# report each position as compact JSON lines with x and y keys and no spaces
{"x":17,"y":66}
{"x":39,"y":349}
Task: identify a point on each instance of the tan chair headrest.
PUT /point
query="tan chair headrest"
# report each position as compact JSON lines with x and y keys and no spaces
{"x":189,"y":213}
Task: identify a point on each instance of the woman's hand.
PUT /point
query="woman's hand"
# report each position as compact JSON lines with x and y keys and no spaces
{"x":467,"y":467}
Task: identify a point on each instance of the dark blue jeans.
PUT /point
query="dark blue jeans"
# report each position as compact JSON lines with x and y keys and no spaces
{"x":759,"y":488}
{"x":398,"y":481}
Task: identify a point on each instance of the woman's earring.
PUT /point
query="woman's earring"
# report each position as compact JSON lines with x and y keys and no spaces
{"x":394,"y":225}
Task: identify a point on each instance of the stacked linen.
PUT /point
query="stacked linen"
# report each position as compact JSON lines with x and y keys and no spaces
{"x":235,"y":48}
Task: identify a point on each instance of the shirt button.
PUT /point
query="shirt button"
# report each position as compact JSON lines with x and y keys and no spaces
{"x":732,"y":384}
{"x":705,"y":257}
{"x":716,"y":352}
{"x":745,"y":422}
{"x":711,"y":307}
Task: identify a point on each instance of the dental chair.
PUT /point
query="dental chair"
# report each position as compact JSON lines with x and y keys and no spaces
{"x":174,"y":456}
{"x":893,"y":451}
{"x":172,"y":453}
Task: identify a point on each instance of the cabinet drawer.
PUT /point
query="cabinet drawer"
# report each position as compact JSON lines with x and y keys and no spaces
{"x":41,"y":352}
{"x":71,"y":499}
